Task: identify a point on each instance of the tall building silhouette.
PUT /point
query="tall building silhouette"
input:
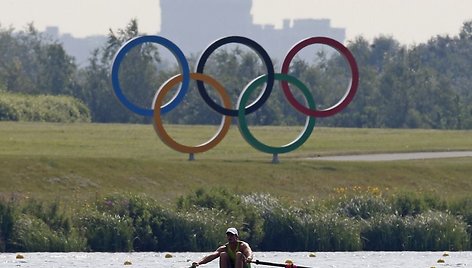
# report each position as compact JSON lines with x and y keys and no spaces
{"x":194,"y":24}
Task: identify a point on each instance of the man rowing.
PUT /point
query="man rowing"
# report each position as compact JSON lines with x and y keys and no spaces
{"x":234,"y":254}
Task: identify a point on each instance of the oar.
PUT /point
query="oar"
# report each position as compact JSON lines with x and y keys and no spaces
{"x":286,"y":265}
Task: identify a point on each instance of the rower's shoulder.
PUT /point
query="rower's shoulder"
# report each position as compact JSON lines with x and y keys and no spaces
{"x":221,"y":248}
{"x":243,"y":243}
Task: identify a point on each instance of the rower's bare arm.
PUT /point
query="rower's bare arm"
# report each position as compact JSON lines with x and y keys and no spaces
{"x":210,"y":257}
{"x":247,"y":251}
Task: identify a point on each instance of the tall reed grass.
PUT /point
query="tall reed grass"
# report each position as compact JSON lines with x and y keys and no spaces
{"x":357,"y":219}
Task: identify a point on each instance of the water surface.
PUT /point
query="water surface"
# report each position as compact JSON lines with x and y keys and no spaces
{"x":184,"y":259}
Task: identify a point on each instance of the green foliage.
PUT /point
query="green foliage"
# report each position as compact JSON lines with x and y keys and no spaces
{"x":219,"y":199}
{"x":421,"y":86}
{"x":194,"y":231}
{"x":8,"y":217}
{"x":139,"y":78}
{"x":436,"y":231}
{"x":332,"y":232}
{"x":411,"y":203}
{"x":36,"y":227}
{"x":425,"y":231}
{"x":44,"y":108}
{"x":362,"y":206}
{"x":240,"y":211}
{"x":106,"y":232}
{"x":31,"y":63}
{"x":130,"y":220}
{"x":138,"y":223}
{"x":33,"y":234}
{"x":462,"y":208}
{"x":384,"y":232}
{"x":284,"y":230}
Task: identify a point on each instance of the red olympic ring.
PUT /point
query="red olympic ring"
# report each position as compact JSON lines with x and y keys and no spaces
{"x":351,"y":91}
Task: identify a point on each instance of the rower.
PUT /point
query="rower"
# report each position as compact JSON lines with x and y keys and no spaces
{"x":234,"y":254}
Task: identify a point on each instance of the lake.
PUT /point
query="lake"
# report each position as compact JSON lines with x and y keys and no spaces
{"x":184,"y":259}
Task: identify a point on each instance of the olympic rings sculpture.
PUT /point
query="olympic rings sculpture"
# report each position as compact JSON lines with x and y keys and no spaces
{"x":242,"y":109}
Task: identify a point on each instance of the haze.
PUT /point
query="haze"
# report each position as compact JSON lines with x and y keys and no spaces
{"x":408,"y":21}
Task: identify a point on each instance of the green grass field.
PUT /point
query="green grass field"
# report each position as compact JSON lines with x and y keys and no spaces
{"x":78,"y":162}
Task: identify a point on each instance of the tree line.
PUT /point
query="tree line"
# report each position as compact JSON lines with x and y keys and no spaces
{"x":419,"y":86}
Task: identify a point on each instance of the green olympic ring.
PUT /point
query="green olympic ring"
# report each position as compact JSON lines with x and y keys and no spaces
{"x":244,"y":129}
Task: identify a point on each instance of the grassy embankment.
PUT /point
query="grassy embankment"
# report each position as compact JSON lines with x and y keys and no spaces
{"x":77,"y":162}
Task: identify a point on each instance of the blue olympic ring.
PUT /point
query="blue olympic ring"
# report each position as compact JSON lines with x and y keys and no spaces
{"x":184,"y":68}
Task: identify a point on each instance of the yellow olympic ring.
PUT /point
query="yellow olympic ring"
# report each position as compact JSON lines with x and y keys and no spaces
{"x":158,"y":125}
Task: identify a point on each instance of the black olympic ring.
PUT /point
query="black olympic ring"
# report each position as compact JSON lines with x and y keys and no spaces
{"x":260,"y":51}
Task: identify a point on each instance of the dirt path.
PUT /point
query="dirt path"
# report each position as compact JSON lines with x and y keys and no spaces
{"x":395,"y":156}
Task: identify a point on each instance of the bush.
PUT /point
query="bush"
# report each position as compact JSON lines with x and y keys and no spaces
{"x":384,"y":232}
{"x":33,"y":234}
{"x":44,"y":108}
{"x":201,"y":230}
{"x":156,"y":229}
{"x":463,"y":209}
{"x":333,"y":232}
{"x":436,"y":231}
{"x":426,"y":232}
{"x":219,"y":199}
{"x":242,"y":212}
{"x":283,"y":231}
{"x":106,"y":232}
{"x":130,"y":220}
{"x":31,"y":226}
{"x":138,"y":223}
{"x":410,"y":203}
{"x":362,"y":206}
{"x":7,"y":221}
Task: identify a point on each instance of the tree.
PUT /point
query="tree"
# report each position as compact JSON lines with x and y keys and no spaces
{"x":138,"y":78}
{"x":30,"y":63}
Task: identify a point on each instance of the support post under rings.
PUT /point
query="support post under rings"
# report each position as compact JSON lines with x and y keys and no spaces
{"x":275,"y":158}
{"x":191,"y":157}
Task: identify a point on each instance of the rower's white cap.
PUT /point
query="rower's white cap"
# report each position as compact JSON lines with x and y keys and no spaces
{"x":232,"y":230}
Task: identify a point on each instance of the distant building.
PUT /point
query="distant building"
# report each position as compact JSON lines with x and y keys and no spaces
{"x":194,"y":24}
{"x":79,"y":48}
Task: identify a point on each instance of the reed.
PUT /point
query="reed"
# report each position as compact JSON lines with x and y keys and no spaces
{"x":140,"y":223}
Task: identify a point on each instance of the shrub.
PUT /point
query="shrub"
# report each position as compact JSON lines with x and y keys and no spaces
{"x":51,"y":214}
{"x":33,"y":234}
{"x":362,"y":206}
{"x":463,"y":209}
{"x":219,"y":199}
{"x":7,"y":220}
{"x":157,"y":229}
{"x":384,"y":232}
{"x":428,"y":231}
{"x":200,"y":230}
{"x":131,"y":216}
{"x":436,"y":231}
{"x":134,"y":222}
{"x":283,"y":231}
{"x":333,"y":232}
{"x":411,"y":203}
{"x":106,"y":232}
{"x":242,"y":212}
{"x":44,"y":108}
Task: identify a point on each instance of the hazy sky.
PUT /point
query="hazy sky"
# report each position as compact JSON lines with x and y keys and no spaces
{"x":408,"y":21}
